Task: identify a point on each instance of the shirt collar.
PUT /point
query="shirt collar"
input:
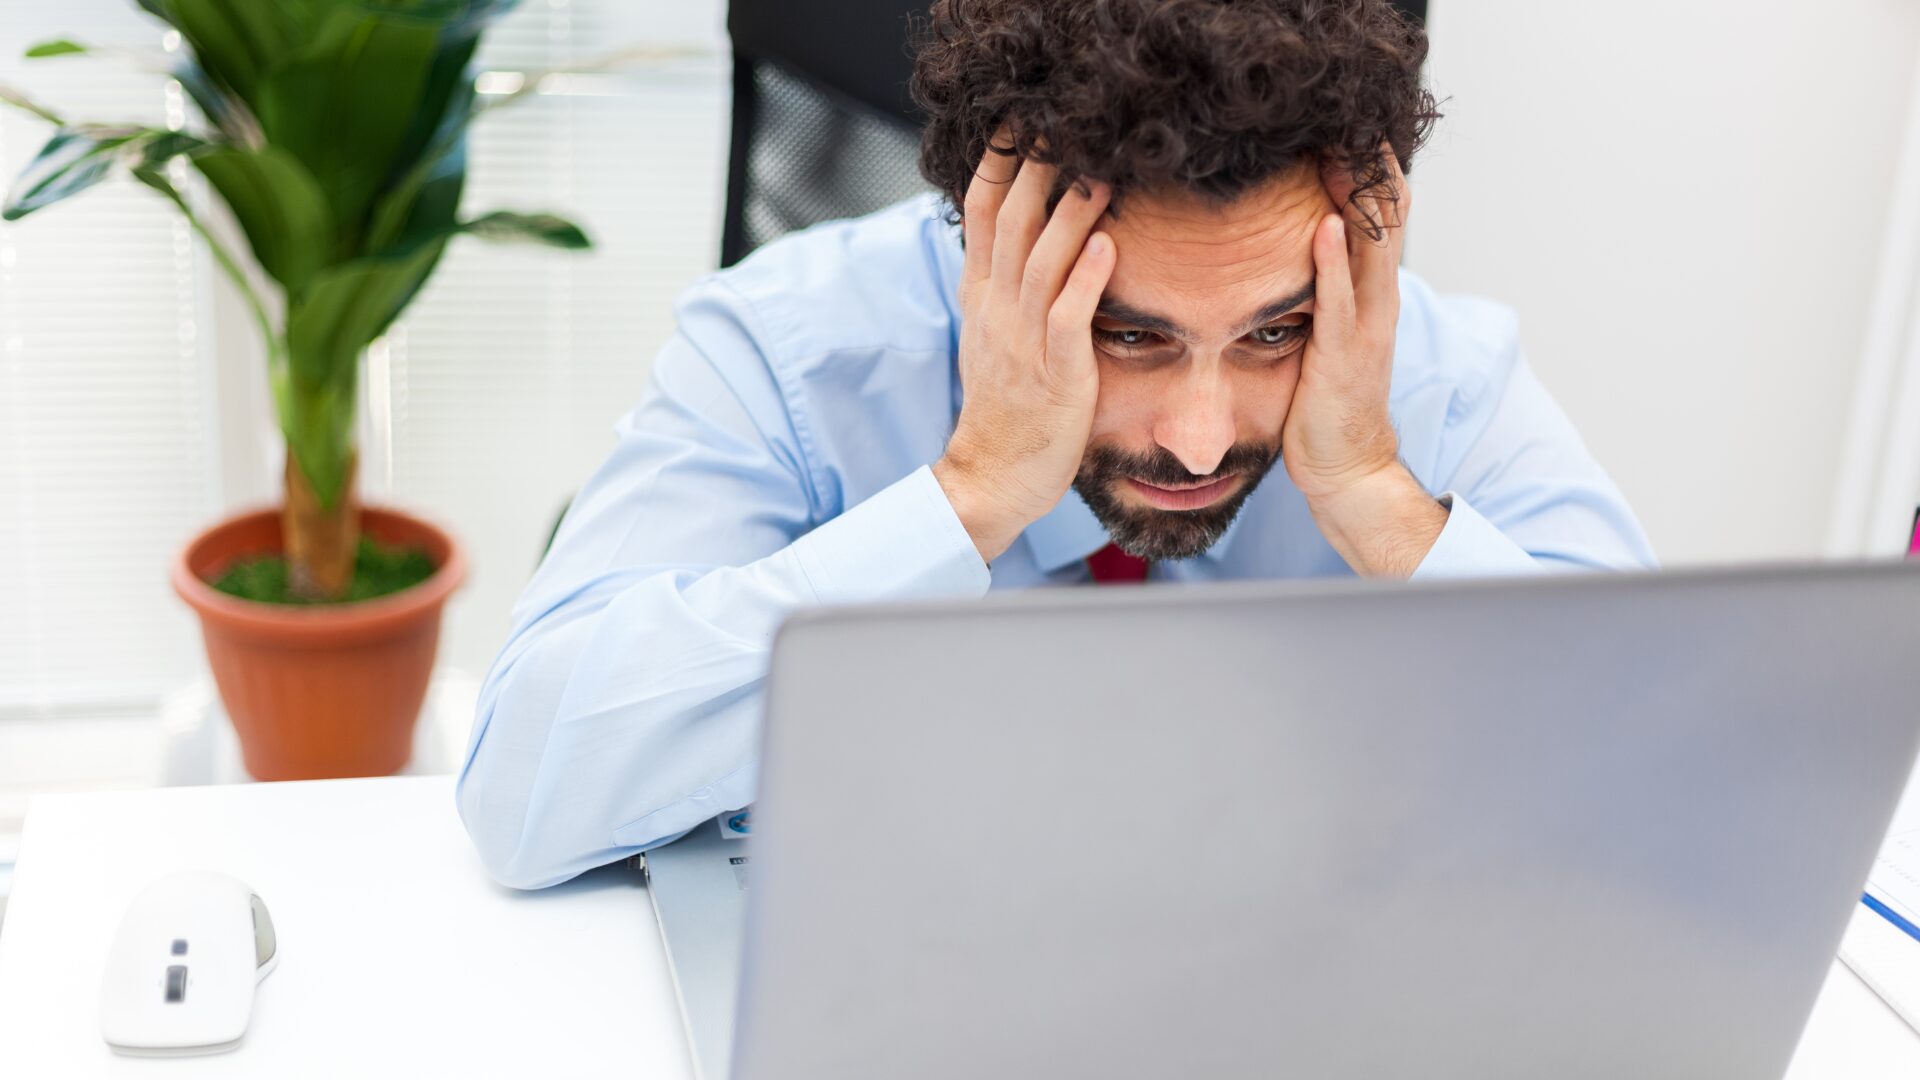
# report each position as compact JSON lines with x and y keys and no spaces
{"x":950,"y":256}
{"x":1068,"y":533}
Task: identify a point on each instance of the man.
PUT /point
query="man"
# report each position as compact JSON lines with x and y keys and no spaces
{"x":1182,"y":225}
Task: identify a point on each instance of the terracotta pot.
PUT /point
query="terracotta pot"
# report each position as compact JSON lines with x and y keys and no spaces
{"x":327,"y":690}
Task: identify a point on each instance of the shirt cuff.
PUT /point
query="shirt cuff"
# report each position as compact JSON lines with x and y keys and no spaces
{"x":1470,"y":546}
{"x":904,"y":543}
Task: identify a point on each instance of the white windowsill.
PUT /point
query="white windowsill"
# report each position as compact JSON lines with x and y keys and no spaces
{"x":201,"y":747}
{"x":183,"y":741}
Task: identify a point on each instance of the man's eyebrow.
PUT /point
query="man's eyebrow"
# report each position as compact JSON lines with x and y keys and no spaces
{"x":1160,"y":324}
{"x":1144,"y":320}
{"x":1278,"y":308}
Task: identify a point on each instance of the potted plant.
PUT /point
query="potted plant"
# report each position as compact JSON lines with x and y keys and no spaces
{"x":335,"y":133}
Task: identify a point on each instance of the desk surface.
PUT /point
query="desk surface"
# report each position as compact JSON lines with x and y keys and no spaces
{"x":400,"y":958}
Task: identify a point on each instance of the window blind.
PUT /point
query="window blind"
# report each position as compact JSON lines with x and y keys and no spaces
{"x":107,"y":462}
{"x":491,"y":401}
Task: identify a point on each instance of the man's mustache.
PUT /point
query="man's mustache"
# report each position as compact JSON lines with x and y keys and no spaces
{"x":1160,"y":467}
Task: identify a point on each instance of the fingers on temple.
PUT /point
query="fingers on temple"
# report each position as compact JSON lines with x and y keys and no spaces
{"x":1403,"y":201}
{"x":985,"y":193}
{"x":1376,"y":260}
{"x":1021,"y":217}
{"x":1333,"y":310}
{"x":1377,"y":210}
{"x":1070,"y":317}
{"x":1374,"y":208}
{"x":1060,"y":245}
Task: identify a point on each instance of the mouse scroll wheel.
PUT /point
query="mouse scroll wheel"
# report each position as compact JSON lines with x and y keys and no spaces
{"x":263,"y":940}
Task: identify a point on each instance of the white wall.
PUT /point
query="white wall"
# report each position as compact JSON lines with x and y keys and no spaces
{"x":1685,"y":200}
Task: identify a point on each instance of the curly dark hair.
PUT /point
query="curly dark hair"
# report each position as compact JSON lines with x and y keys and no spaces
{"x":1209,"y":96}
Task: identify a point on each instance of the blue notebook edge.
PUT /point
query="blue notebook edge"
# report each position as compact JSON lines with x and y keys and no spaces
{"x":1891,"y":915}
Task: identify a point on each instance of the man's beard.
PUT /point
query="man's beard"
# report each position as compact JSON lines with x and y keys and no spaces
{"x":1150,"y":533}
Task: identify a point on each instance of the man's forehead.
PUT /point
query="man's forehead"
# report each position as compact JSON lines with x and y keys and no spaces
{"x":1200,"y":264}
{"x":1284,"y":209}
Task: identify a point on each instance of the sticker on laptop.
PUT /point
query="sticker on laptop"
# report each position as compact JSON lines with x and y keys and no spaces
{"x":737,"y":825}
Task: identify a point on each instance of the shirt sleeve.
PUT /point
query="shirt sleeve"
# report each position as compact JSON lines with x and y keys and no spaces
{"x":1525,"y":495}
{"x":624,"y":707}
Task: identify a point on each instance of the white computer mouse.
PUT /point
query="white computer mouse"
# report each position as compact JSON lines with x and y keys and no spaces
{"x":181,"y":975}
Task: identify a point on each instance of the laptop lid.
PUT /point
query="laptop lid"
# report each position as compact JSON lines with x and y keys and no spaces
{"x":1591,"y":826}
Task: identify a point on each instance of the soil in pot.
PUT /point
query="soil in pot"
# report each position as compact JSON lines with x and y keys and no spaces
{"x":378,"y":569}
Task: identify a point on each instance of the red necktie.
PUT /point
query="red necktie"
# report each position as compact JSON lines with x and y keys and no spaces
{"x":1111,"y":566}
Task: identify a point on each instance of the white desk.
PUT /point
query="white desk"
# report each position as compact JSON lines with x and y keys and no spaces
{"x":399,"y":957}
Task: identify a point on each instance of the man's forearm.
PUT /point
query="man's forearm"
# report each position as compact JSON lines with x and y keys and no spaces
{"x":1382,"y":526}
{"x":638,"y":689}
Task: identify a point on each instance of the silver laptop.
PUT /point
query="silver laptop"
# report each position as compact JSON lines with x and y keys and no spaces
{"x":698,"y":885}
{"x":1635,"y":799}
{"x":1595,"y":826}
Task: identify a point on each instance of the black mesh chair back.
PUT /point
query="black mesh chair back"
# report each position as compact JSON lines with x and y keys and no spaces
{"x":823,"y":126}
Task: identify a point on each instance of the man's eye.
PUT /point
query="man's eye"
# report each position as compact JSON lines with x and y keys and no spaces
{"x":1126,"y":338}
{"x":1278,"y":335}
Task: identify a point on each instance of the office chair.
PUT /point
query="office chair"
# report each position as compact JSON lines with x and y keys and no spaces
{"x":823,"y":127}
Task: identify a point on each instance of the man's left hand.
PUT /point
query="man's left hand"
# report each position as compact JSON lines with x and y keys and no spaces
{"x":1338,"y":443}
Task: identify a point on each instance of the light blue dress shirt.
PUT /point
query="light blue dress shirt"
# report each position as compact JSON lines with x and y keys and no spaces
{"x":780,"y":459}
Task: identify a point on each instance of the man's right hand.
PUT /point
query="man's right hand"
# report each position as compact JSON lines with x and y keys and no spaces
{"x":1027,"y":372}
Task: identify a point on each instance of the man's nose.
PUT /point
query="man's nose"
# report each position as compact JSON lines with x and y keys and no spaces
{"x":1196,"y":423}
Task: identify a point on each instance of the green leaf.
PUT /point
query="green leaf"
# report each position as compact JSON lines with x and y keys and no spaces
{"x":504,"y":225}
{"x":346,"y":112}
{"x":154,"y":177}
{"x":424,"y":204}
{"x":446,"y":105}
{"x":236,"y":41}
{"x":279,"y":205}
{"x":78,"y":157}
{"x":55,"y":48}
{"x":67,"y":165}
{"x":432,"y":216}
{"x":424,"y":201}
{"x":318,"y":423}
{"x":221,"y":108}
{"x":152,"y":61}
{"x":10,"y":96}
{"x":155,"y":147}
{"x":343,"y":309}
{"x":346,"y":306}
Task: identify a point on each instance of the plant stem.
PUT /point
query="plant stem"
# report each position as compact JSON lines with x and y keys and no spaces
{"x":319,"y":540}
